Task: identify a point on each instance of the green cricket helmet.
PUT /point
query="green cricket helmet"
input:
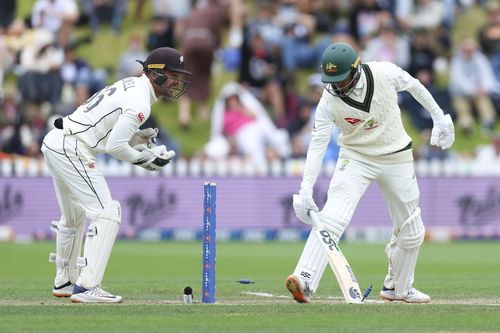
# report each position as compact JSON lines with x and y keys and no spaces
{"x":338,"y":61}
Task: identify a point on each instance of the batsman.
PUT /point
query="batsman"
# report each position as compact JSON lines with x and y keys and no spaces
{"x":361,"y":99}
{"x":108,"y":122}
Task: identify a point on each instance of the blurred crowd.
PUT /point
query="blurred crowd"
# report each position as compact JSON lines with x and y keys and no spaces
{"x":275,"y":48}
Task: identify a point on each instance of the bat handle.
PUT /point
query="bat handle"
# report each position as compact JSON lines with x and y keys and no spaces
{"x":314,"y":217}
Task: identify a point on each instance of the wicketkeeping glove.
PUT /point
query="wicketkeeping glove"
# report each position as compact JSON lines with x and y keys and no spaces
{"x":153,"y":159}
{"x":443,"y":133}
{"x":301,"y":205}
{"x":145,"y":136}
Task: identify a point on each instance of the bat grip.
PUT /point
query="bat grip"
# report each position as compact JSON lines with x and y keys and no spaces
{"x":314,"y":217}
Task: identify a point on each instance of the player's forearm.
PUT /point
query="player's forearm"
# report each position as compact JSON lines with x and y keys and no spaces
{"x":117,"y":144}
{"x":321,"y":136}
{"x":123,"y":152}
{"x":424,"y":97}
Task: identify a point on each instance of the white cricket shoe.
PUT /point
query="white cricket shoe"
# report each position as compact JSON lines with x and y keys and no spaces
{"x":299,"y":293}
{"x":93,"y":295}
{"x":414,"y":296}
{"x":66,"y":290}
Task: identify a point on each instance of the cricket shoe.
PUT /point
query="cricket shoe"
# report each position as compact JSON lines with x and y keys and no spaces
{"x":413,"y":296}
{"x":66,"y":290}
{"x":93,"y":295}
{"x":299,"y":293}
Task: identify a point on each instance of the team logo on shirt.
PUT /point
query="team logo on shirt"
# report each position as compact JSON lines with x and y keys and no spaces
{"x":371,"y":124}
{"x":353,"y":121}
{"x":141,"y":117}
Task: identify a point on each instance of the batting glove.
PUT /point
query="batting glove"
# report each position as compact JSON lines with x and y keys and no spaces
{"x":153,"y":159}
{"x":443,"y":133}
{"x":302,"y":204}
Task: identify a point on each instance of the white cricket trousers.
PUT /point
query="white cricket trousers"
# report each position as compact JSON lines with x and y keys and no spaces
{"x":352,"y":177}
{"x":80,"y":186}
{"x":397,"y":182}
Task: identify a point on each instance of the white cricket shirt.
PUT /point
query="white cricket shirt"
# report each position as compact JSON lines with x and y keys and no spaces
{"x":108,"y":119}
{"x":370,"y":119}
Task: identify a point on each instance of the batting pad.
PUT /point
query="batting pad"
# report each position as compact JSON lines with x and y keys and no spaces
{"x":68,"y":248}
{"x":312,"y":263}
{"x":403,"y":258}
{"x":98,"y":244}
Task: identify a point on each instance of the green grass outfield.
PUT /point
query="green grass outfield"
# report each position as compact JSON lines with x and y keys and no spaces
{"x":462,"y":278}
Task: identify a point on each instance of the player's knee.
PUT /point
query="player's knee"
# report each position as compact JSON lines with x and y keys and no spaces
{"x":59,"y":227}
{"x":112,"y":212}
{"x":333,"y":223}
{"x":412,"y":232}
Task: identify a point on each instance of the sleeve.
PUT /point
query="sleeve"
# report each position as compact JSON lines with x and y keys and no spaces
{"x":117,"y":145}
{"x":320,"y":137}
{"x":402,"y":81}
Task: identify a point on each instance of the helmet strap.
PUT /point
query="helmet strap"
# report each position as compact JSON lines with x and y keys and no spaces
{"x":337,"y":91}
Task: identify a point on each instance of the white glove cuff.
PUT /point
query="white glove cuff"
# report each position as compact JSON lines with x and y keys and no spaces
{"x":438,"y":117}
{"x":305,"y":192}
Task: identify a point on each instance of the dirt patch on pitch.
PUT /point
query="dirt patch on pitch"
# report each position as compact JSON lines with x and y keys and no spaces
{"x":250,"y":300}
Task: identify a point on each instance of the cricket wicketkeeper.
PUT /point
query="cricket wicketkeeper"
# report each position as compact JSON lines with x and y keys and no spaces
{"x":108,"y":122}
{"x":361,"y":99}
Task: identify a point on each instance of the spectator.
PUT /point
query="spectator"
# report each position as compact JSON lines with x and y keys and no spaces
{"x":11,"y":43}
{"x":174,"y":9}
{"x":364,"y":20}
{"x":7,"y":14}
{"x":81,"y":77}
{"x":8,"y":114}
{"x":200,"y":38}
{"x":128,"y":66}
{"x":264,"y":25}
{"x":488,"y":156}
{"x":40,"y":62}
{"x":240,"y":119}
{"x":18,"y":138}
{"x":6,"y":60}
{"x":260,"y":72}
{"x":57,"y":16}
{"x":387,"y":45}
{"x":325,"y":13}
{"x":298,"y":52}
{"x":139,"y":9}
{"x":472,"y":82}
{"x":423,"y":14}
{"x":489,"y":36}
{"x":297,"y":48}
{"x":19,"y":131}
{"x":161,"y":33}
{"x":299,"y":128}
{"x":105,"y":10}
{"x":422,"y":56}
{"x":236,"y":12}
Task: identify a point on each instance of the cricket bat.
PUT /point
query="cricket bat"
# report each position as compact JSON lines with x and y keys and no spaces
{"x":338,"y":262}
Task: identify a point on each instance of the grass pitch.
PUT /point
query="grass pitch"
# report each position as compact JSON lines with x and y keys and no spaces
{"x":463,"y":280}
